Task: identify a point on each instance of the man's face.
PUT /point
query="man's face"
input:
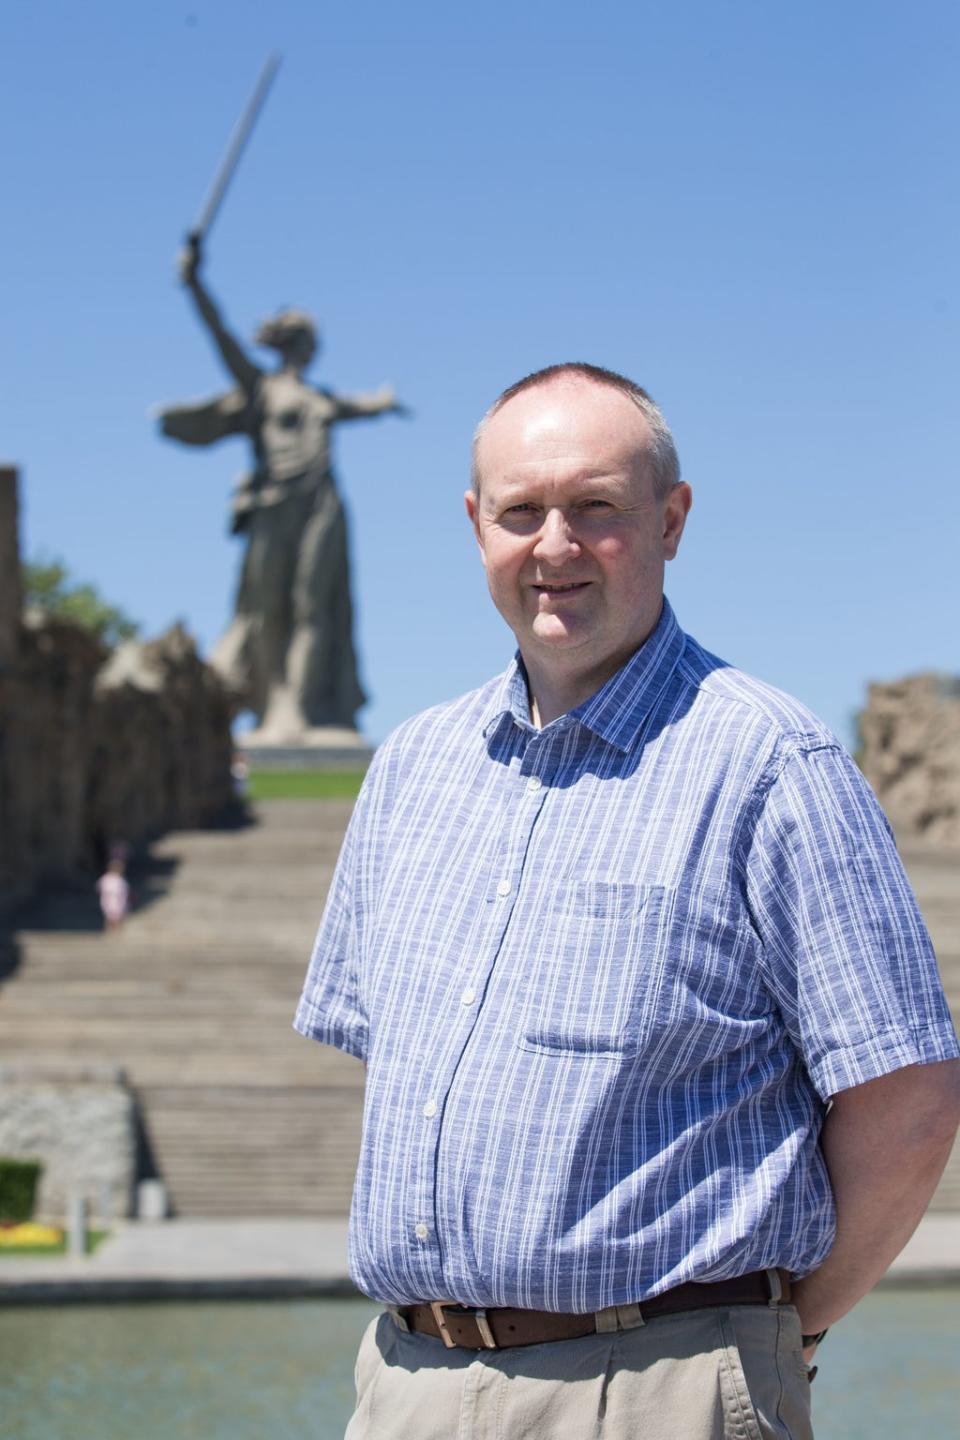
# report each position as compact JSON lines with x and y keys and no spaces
{"x":572,"y":536}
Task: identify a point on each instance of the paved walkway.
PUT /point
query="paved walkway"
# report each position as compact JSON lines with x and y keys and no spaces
{"x":226,"y":1259}
{"x":190,"y":1259}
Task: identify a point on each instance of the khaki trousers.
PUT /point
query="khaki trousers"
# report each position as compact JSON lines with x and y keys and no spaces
{"x":721,"y":1374}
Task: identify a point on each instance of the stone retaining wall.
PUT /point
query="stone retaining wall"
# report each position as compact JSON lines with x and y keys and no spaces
{"x":82,"y":1128}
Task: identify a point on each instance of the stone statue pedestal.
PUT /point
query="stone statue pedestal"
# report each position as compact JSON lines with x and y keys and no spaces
{"x":328,"y":747}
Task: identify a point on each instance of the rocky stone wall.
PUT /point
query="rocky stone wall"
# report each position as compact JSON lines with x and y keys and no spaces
{"x":161,"y":745}
{"x":82,"y":1128}
{"x":910,"y":753}
{"x":9,"y":567}
{"x":97,"y":747}
{"x":46,"y":713}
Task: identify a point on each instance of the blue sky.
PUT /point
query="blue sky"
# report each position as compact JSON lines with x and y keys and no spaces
{"x":751,"y":208}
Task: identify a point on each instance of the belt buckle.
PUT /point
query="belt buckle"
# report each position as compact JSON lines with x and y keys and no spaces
{"x":479,"y":1316}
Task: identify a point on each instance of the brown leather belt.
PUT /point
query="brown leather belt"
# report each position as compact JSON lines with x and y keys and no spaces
{"x":485,"y":1329}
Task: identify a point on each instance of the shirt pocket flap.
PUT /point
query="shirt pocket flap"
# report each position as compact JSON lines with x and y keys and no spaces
{"x":585,"y":988}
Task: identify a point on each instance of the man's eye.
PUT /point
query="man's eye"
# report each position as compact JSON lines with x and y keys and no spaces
{"x":596,"y":505}
{"x":524,"y":508}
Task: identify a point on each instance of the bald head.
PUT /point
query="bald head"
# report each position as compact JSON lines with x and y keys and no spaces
{"x":662,"y":453}
{"x":567,"y":425}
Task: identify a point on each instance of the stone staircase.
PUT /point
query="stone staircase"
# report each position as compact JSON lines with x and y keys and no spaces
{"x":194,"y":999}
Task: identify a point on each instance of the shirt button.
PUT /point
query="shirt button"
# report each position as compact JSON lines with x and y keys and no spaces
{"x":430,"y":1109}
{"x":468,"y":996}
{"x":534,"y":782}
{"x":421,"y":1231}
{"x":503,"y":887}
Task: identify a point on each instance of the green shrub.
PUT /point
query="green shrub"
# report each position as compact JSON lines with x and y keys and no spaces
{"x":49,"y":590}
{"x":18,"y":1189}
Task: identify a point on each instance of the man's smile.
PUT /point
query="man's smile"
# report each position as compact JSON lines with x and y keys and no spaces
{"x":566,"y":589}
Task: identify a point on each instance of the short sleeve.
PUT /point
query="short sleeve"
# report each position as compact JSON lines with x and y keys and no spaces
{"x":330,"y":1010}
{"x":847,"y":956}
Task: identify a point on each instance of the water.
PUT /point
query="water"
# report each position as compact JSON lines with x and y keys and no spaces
{"x":284,"y":1370}
{"x":172,"y":1371}
{"x":890,"y":1371}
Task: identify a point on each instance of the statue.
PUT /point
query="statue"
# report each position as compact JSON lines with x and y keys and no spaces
{"x":288,"y":653}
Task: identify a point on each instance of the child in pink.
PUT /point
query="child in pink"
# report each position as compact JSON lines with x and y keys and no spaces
{"x":114,"y":895}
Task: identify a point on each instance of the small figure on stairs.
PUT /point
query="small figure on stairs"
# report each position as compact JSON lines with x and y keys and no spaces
{"x":113,"y":889}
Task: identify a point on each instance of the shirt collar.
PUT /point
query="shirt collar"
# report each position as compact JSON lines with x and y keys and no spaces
{"x":618,"y":710}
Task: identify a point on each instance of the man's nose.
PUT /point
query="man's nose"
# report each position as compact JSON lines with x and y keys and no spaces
{"x":556,"y":541}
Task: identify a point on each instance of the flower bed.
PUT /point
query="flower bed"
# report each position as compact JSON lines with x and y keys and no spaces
{"x":29,"y":1238}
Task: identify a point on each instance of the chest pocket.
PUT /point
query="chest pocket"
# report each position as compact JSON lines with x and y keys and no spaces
{"x":594,"y":959}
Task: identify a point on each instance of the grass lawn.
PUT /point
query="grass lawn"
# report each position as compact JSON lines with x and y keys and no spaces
{"x":305,"y":784}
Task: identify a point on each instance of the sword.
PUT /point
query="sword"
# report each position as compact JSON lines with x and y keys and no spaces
{"x":231,"y":159}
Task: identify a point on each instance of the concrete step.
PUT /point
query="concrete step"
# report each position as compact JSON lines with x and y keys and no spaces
{"x":161,"y":966}
{"x":305,"y":1064}
{"x":163,"y":1003}
{"x":239,"y":1150}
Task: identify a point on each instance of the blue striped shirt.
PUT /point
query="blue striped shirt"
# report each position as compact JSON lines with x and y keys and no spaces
{"x":605,"y":976}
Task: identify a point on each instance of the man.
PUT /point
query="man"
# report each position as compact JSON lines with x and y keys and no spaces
{"x":610,"y":934}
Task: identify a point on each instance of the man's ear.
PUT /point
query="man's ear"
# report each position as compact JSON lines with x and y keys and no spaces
{"x":473,"y":513}
{"x":675,"y":510}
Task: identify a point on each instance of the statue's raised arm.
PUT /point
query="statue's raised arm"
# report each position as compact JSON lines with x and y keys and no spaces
{"x":206,"y":422}
{"x":239,"y":364}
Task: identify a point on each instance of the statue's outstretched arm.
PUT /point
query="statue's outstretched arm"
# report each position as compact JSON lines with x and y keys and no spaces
{"x":377,"y":402}
{"x":235,"y":358}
